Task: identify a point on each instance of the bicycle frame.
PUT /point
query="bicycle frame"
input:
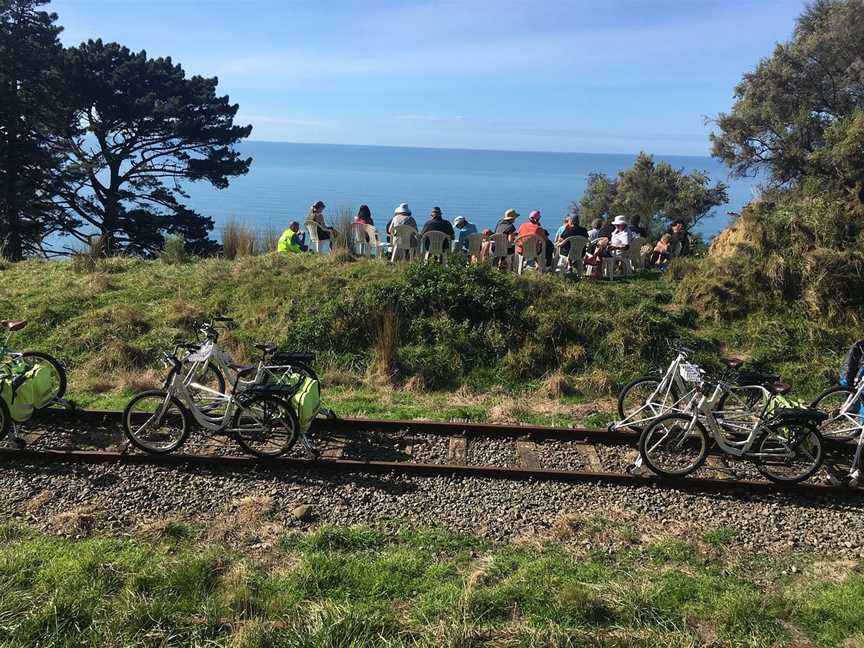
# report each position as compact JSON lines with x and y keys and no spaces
{"x":850,"y":413}
{"x":661,"y":401}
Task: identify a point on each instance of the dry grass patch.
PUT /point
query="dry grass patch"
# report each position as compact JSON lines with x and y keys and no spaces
{"x":77,"y":523}
{"x":248,"y":521}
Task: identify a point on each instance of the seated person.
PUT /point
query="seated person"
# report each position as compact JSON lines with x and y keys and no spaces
{"x":598,"y":250}
{"x":620,"y":239}
{"x":506,"y":226}
{"x":636,"y":229}
{"x":364,"y":216}
{"x":570,"y":228}
{"x":594,"y":232}
{"x":680,"y":238}
{"x":533,"y":228}
{"x":436,"y":223}
{"x":486,"y":245}
{"x":316,"y":215}
{"x":291,"y":240}
{"x":463,"y":229}
{"x":662,"y":252}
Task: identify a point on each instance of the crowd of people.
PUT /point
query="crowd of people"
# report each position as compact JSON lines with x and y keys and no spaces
{"x":606,"y":238}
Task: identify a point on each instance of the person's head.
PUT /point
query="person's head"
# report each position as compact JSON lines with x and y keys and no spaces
{"x":666,"y":238}
{"x":511,"y":215}
{"x":294,"y":226}
{"x":364,"y":213}
{"x":435,"y":214}
{"x":569,"y":220}
{"x":402,"y":210}
{"x":597,"y":223}
{"x":459,"y":222}
{"x":620,"y":222}
{"x":678,"y":226}
{"x":486,"y":233}
{"x":318,"y":207}
{"x":534,"y":216}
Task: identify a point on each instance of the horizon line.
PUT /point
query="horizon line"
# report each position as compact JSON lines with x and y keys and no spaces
{"x":479,"y":150}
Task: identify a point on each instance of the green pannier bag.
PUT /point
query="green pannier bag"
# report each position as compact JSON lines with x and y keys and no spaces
{"x":307,"y":402}
{"x":26,"y":391}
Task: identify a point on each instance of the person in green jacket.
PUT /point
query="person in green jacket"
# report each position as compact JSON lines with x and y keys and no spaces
{"x":291,"y":240}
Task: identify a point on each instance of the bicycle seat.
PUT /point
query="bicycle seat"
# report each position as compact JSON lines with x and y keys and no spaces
{"x":242,"y":369}
{"x":293,"y":356}
{"x":14,"y":325}
{"x":267,"y":347}
{"x":779,"y":388}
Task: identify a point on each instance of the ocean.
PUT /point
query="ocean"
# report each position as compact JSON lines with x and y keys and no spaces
{"x":285,"y":179}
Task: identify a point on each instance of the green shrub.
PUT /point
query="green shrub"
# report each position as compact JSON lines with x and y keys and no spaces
{"x":174,"y":251}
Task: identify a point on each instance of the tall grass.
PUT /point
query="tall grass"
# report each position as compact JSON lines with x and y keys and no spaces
{"x":341,"y":243}
{"x":237,"y":240}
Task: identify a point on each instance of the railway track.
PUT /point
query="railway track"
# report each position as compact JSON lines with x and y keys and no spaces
{"x":584,"y":441}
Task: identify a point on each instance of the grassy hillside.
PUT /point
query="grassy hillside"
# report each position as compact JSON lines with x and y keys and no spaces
{"x":436,"y":341}
{"x":594,"y":583}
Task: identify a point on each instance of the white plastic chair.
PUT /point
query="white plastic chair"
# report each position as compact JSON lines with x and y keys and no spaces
{"x":575,"y":256}
{"x":500,"y":250}
{"x":376,"y":247}
{"x":634,"y":262}
{"x":403,"y":240}
{"x":533,"y":249}
{"x":359,"y":240}
{"x":438,"y":245}
{"x":312,"y":229}
{"x":475,"y":245}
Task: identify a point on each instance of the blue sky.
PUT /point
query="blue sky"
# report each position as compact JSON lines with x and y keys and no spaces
{"x":611,"y":77}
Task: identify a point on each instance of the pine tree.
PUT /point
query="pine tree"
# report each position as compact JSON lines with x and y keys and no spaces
{"x":33,"y":117}
{"x":148,"y":129}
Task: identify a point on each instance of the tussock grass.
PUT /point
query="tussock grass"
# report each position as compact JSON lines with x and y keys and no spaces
{"x":238,"y":240}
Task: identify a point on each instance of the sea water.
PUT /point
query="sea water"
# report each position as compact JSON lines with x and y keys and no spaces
{"x":285,"y":179}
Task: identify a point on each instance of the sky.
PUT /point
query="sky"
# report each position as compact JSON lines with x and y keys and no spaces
{"x":602,"y":76}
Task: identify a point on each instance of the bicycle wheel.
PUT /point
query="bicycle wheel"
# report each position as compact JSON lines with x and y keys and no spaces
{"x":674,"y":445}
{"x":208,"y":378}
{"x":789,"y":452}
{"x":266,"y":426}
{"x":156,"y":422}
{"x":33,"y":358}
{"x":5,"y":419}
{"x":831,"y":401}
{"x":637,"y":402}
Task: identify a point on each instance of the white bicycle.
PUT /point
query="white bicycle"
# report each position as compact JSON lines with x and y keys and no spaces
{"x":645,"y":399}
{"x":260,"y":416}
{"x":783,"y":442}
{"x":843,"y":407}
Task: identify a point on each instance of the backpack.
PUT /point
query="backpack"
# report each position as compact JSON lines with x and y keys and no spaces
{"x":852,"y":364}
{"x":26,"y":390}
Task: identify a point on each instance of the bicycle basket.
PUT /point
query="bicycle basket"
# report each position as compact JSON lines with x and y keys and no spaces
{"x":690,"y":372}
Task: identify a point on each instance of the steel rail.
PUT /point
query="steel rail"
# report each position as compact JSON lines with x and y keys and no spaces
{"x":419,"y":469}
{"x":439,"y":428}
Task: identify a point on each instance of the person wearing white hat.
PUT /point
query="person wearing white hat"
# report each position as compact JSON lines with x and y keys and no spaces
{"x":462,"y":230}
{"x":401,"y":216}
{"x":620,"y":239}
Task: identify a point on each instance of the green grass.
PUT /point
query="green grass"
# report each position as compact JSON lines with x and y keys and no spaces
{"x":401,"y":586}
{"x":408,"y":341}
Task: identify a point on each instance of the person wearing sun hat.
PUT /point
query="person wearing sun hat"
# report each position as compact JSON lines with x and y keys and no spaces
{"x":401,"y":216}
{"x":506,"y":226}
{"x":620,"y":239}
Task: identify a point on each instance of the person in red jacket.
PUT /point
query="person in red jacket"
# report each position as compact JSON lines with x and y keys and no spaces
{"x":533,"y":227}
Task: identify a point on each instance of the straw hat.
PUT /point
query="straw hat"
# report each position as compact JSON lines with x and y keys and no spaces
{"x":620,"y":219}
{"x":511,"y":214}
